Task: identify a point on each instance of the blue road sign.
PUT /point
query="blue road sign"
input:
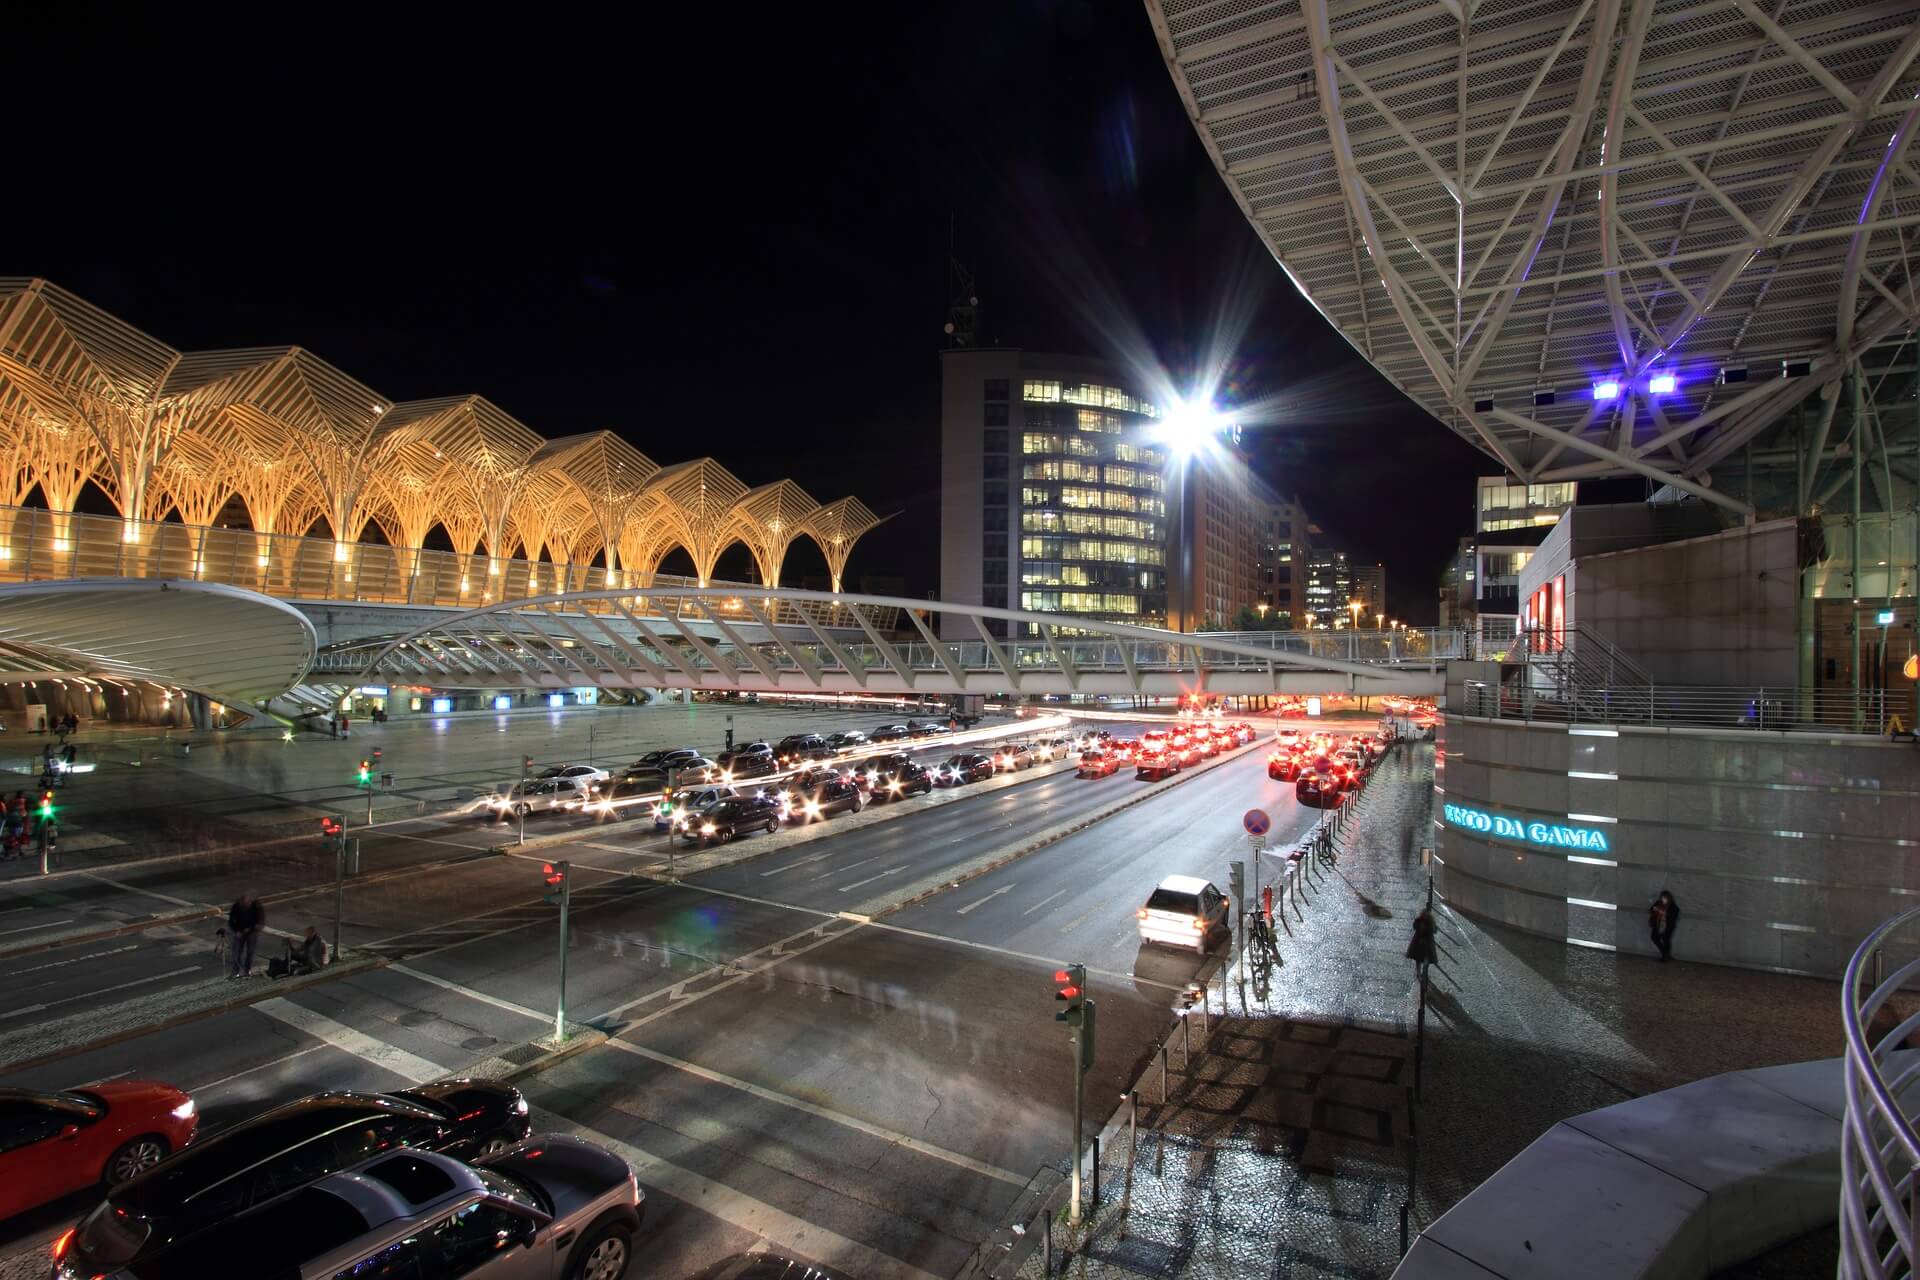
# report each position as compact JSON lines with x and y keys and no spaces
{"x":1256,"y":822}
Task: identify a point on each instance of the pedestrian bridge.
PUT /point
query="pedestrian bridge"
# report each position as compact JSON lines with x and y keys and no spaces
{"x":726,"y":637}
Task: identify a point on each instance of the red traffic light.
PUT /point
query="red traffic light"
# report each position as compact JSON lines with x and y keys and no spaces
{"x":552,"y":874}
{"x":331,"y":826}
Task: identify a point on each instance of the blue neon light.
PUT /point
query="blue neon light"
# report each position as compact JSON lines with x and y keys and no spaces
{"x":1549,"y":834}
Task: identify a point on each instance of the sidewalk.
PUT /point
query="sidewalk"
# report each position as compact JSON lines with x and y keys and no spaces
{"x":1286,"y":1145}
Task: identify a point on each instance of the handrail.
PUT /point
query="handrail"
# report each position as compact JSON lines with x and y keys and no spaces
{"x":1879,"y":1203}
{"x":1705,"y":706}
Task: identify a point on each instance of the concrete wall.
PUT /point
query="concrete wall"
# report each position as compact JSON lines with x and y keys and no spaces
{"x":1722,"y":609}
{"x":1783,"y":850}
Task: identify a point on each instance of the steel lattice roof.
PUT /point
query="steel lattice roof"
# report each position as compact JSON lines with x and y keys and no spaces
{"x":1503,"y":201}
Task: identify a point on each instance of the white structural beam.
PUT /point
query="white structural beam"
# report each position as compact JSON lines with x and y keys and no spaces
{"x":1626,"y":461}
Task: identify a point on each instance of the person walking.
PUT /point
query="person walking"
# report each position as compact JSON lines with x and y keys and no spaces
{"x":245,"y":919}
{"x":1662,"y":916}
{"x":1422,"y":950}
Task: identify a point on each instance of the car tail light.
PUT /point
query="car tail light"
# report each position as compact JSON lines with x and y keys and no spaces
{"x":1199,"y":925}
{"x":1142,"y":913}
{"x":62,"y":1243}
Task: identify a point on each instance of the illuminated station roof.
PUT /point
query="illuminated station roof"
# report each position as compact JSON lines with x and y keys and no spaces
{"x":1593,"y":237}
{"x":87,"y":398}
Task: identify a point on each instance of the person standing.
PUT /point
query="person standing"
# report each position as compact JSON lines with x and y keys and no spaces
{"x":245,"y":919}
{"x":1422,"y":950}
{"x":1662,"y":917}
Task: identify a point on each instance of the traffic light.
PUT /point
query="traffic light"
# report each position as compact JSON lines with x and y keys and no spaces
{"x":366,"y":772}
{"x":1237,"y":880}
{"x":46,"y":803}
{"x":331,"y":827}
{"x":376,"y":755}
{"x":1070,"y":986}
{"x":555,"y":876}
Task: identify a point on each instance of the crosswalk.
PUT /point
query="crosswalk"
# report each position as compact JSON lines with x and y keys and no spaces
{"x":476,"y":928}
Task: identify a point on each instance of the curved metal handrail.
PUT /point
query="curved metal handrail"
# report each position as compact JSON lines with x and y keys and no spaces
{"x":1879,"y":1177}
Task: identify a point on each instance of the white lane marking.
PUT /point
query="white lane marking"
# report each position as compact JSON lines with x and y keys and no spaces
{"x":606,"y":848}
{"x":981,"y":902}
{"x":7,"y":911}
{"x":100,"y":991}
{"x":1043,"y":902}
{"x":147,"y":893}
{"x":677,"y":1001}
{"x":30,"y":928}
{"x":410,"y":1067}
{"x":851,"y":865}
{"x":797,"y":862}
{"x":826,"y":1113}
{"x":55,"y":964}
{"x":103,"y":1079}
{"x":1023,"y":955}
{"x":737,"y":1209}
{"x":262,"y":1066}
{"x":870,"y":879}
{"x":470,"y":993}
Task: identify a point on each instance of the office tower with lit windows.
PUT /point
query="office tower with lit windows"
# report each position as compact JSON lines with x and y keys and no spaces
{"x":1053,"y":492}
{"x":1369,"y":591}
{"x":1329,"y":587}
{"x":1511,"y":519}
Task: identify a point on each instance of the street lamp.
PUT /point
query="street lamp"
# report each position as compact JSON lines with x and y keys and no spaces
{"x":1379,"y":621}
{"x":1354,"y":606}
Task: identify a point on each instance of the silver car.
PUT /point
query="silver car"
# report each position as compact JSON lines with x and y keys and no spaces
{"x":553,"y":1206}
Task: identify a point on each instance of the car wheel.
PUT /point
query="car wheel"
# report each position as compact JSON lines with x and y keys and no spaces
{"x":771,"y":825}
{"x":494,"y":1146}
{"x":604,"y":1255}
{"x":135,"y":1156}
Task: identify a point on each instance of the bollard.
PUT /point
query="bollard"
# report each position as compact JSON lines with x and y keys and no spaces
{"x":1133,"y":1152}
{"x":1165,"y":1097}
{"x":1096,"y":1172}
{"x":1046,"y":1245}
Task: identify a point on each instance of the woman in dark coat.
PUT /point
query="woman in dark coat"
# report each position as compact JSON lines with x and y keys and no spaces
{"x":1662,"y":916}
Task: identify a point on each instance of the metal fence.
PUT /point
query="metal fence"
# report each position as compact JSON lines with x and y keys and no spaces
{"x":1408,"y":644}
{"x":38,"y":545}
{"x":1703,"y":706}
{"x":1879,"y":1148}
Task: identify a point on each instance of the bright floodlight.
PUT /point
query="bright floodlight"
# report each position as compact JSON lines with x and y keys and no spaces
{"x":1662,"y":384}
{"x":1189,"y":426}
{"x":1608,"y":390}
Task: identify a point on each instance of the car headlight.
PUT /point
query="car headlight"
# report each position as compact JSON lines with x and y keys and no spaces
{"x":519,"y":1105}
{"x":184,"y":1111}
{"x":707,"y":829}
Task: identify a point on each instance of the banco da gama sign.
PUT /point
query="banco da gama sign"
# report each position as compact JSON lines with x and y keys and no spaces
{"x":1550,"y":834}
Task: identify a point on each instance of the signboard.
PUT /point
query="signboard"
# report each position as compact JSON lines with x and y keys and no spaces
{"x":1256,"y":822}
{"x":1527,"y":830}
{"x":1313,"y":706}
{"x":1256,"y":842}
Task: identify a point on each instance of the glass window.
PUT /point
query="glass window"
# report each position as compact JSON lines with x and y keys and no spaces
{"x":994,"y":546}
{"x":1036,"y":443}
{"x":994,"y":415}
{"x":994,"y":495}
{"x":1032,"y":496}
{"x":995,"y":441}
{"x":1043,"y":391}
{"x":994,"y":466}
{"x":472,"y":1236}
{"x":996,"y":389}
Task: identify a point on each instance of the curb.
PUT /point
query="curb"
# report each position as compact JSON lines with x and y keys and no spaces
{"x":580,"y":1038}
{"x":954,"y":879}
{"x":251,"y":995}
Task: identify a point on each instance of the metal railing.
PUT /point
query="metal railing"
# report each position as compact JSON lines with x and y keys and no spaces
{"x":1359,"y":644}
{"x":37,"y":545}
{"x":1879,"y":1148}
{"x":1703,"y":706}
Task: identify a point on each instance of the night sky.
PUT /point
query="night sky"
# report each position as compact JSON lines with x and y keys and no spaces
{"x":728,"y":237}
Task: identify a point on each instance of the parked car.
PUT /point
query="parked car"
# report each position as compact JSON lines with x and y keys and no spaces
{"x":796,"y":746}
{"x":1317,"y":790}
{"x":1098,"y":764}
{"x":733,"y":766}
{"x":1154,"y":763}
{"x":586,"y":773}
{"x":904,"y":777}
{"x":668,"y":759}
{"x":258,"y":1160}
{"x":889,"y":733}
{"x":1283,"y":765}
{"x":1015,"y":755}
{"x":1056,"y":747}
{"x":542,"y":795}
{"x":968,"y":766}
{"x":739,"y":816}
{"x":559,"y":1205}
{"x":688,"y":806}
{"x":1185,"y":911}
{"x":53,"y":1144}
{"x":847,"y":740}
{"x":823,"y":800}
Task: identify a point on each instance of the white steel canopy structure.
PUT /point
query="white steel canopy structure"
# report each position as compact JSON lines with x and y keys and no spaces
{"x":1592,"y":237}
{"x":296,"y":443}
{"x":627,"y":639}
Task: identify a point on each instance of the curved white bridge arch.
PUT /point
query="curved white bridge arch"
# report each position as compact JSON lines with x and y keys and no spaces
{"x":772,"y":640}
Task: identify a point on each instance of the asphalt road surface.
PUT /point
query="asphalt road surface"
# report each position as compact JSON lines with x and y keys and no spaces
{"x":870,"y":1095}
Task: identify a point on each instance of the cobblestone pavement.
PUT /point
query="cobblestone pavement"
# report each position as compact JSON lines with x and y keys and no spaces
{"x":1285,"y":1149}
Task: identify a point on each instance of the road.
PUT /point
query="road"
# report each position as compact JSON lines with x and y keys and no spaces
{"x":866,"y":1093}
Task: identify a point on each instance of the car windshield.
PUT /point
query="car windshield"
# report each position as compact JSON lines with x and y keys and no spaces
{"x":1185,"y":904}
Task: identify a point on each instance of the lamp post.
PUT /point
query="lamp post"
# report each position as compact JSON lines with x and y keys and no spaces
{"x":1379,"y":622}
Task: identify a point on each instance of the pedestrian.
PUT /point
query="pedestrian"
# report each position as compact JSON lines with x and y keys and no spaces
{"x":346,"y":726}
{"x":309,"y":955}
{"x":245,"y":919}
{"x":1662,"y":916}
{"x":1421,"y":949}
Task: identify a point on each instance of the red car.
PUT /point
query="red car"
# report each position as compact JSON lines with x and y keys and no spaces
{"x":1283,"y":765}
{"x":54,"y":1144}
{"x":1098,"y":764}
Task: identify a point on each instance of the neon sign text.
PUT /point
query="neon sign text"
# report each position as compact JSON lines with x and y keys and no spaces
{"x":1553,"y":834}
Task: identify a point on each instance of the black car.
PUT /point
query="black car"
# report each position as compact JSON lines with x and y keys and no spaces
{"x":823,"y":800}
{"x":898,"y":777}
{"x":889,"y":733}
{"x":672,"y":758}
{"x":290,"y":1146}
{"x":744,"y":763}
{"x":1317,"y":790}
{"x":798,"y":746}
{"x":847,"y":740}
{"x":968,"y":766}
{"x":732,"y":818}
